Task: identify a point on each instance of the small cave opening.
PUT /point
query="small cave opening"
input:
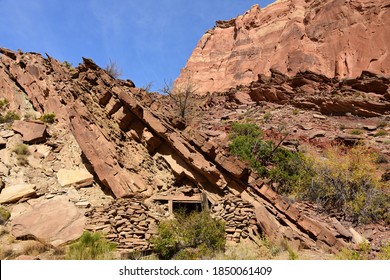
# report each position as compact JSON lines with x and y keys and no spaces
{"x":186,"y":207}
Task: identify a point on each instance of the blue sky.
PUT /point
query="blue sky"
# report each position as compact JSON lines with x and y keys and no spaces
{"x":150,"y":40}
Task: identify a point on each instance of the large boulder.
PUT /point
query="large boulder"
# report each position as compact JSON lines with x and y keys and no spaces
{"x":55,"y":221}
{"x":32,"y":131}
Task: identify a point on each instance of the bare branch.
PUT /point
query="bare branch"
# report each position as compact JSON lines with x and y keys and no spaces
{"x":113,"y":70}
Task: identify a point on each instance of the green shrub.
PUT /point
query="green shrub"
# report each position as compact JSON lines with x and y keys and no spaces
{"x":292,"y":255}
{"x":348,"y":254}
{"x":336,"y":180}
{"x":362,"y":253}
{"x":267,"y":116}
{"x":91,"y":246}
{"x":291,"y":170}
{"x":30,"y":116}
{"x":245,"y":142}
{"x":384,"y":253}
{"x":67,"y":64}
{"x":296,"y":111}
{"x":21,"y":149}
{"x":4,"y":215}
{"x":190,"y":236}
{"x":380,"y":133}
{"x":9,"y":117}
{"x":167,"y":242}
{"x":48,"y":118}
{"x":355,"y":131}
{"x":3,"y":103}
{"x":286,"y":167}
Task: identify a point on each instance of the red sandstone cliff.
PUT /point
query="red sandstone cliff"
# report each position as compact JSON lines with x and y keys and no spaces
{"x":336,"y":38}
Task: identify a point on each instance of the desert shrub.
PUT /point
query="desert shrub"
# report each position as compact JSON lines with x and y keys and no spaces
{"x":267,"y":116}
{"x":296,"y":111}
{"x":362,"y":253}
{"x":384,"y":253}
{"x":380,"y":133}
{"x":113,"y":70}
{"x":21,"y":149}
{"x":147,"y":87}
{"x":380,"y":158}
{"x":183,"y":96}
{"x":48,"y":118}
{"x":284,"y":166}
{"x":4,"y":215}
{"x":355,"y":131}
{"x":382,"y":124}
{"x":189,"y":236}
{"x":342,"y":126}
{"x":6,"y":253}
{"x":245,"y":142}
{"x":67,"y":64}
{"x":244,"y":250}
{"x":34,"y":248}
{"x":291,"y":170}
{"x":9,"y":117}
{"x":91,"y":246}
{"x":3,"y":103}
{"x":347,"y":181}
{"x":30,"y":116}
{"x":348,"y":254}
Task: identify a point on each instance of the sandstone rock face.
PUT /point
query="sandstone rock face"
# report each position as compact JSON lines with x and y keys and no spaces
{"x":55,"y":221}
{"x":336,"y":38}
{"x":133,"y":149}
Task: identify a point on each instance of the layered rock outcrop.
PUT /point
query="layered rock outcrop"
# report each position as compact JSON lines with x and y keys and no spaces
{"x":367,"y":95}
{"x":335,"y":38}
{"x":133,"y":150}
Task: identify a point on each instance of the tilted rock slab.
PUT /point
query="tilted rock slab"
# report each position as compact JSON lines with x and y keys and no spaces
{"x":32,"y":131}
{"x":55,"y":221}
{"x":106,"y":116}
{"x":77,"y":178}
{"x":15,"y":193}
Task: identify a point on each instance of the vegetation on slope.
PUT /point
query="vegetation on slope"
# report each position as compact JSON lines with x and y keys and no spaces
{"x":91,"y":246}
{"x":338,"y":179}
{"x":192,"y":236}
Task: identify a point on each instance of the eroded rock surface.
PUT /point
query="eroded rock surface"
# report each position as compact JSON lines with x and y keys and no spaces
{"x":132,"y":149}
{"x":336,"y":38}
{"x":55,"y":221}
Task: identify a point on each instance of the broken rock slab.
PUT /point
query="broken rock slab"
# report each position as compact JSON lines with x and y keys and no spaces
{"x":32,"y":131}
{"x":55,"y":221}
{"x":74,"y":177}
{"x":17,"y":192}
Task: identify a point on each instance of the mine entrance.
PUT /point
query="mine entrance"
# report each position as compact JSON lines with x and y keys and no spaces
{"x":196,"y":202}
{"x":187,"y":207}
